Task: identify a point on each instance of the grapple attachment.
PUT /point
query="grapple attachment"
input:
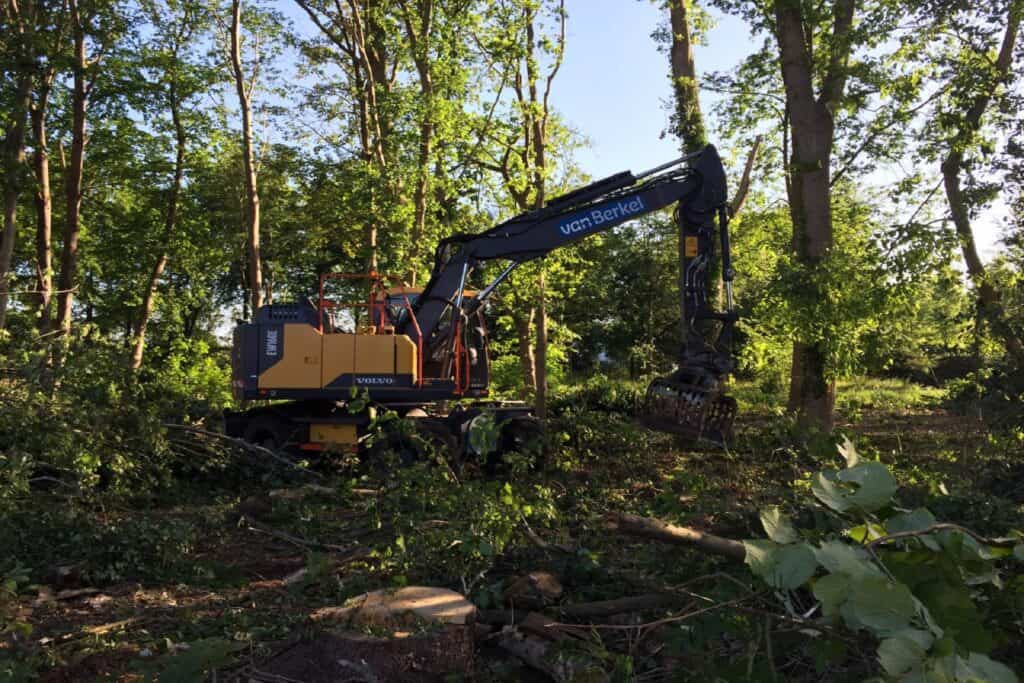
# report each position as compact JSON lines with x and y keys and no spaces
{"x":691,"y":404}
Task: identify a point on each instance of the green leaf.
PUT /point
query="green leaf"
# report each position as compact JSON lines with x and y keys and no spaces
{"x":825,"y":489}
{"x":778,"y":526}
{"x":838,"y":557}
{"x":1018,"y":552}
{"x":879,"y":605}
{"x":781,"y":566}
{"x":832,"y":591}
{"x":867,"y":486}
{"x":914,"y":521}
{"x":991,"y":671}
{"x":899,"y":654}
{"x":875,"y":485}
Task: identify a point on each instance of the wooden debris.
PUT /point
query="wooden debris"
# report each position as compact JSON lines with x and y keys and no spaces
{"x":544,"y":656}
{"x":658,"y":530}
{"x":608,"y":608}
{"x":533,"y":591}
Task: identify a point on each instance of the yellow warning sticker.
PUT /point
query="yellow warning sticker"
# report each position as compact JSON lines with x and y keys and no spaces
{"x":691,"y":247}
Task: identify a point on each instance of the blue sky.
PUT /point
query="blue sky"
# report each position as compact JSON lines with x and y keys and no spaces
{"x":613,"y":88}
{"x":614,"y":85}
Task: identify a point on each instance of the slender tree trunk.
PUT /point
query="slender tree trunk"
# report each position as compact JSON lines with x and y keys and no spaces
{"x":44,"y":208}
{"x":812,"y":395}
{"x":171,"y":219}
{"x":990,"y":303}
{"x":73,"y":177}
{"x":524,"y":321}
{"x":689,"y":119}
{"x":420,"y":35}
{"x":14,"y":173}
{"x":252,"y":213}
{"x":541,"y":360}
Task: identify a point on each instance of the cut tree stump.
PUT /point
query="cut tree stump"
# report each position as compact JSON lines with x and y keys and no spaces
{"x":415,"y":633}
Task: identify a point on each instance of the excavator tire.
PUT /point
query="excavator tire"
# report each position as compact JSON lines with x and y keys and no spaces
{"x":520,"y":434}
{"x":429,"y":436}
{"x":268,"y":431}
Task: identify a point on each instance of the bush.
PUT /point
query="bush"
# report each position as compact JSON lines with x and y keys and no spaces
{"x":599,"y":393}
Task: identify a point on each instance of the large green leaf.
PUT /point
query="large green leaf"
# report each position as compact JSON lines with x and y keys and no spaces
{"x":839,"y":557}
{"x":832,"y":591}
{"x":781,"y":566}
{"x":778,"y":526}
{"x":916,"y":520}
{"x":991,"y":671}
{"x":879,"y":605}
{"x":866,"y":486}
{"x":899,"y":654}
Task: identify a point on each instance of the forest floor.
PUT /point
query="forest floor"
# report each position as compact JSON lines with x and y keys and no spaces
{"x":217,"y":576}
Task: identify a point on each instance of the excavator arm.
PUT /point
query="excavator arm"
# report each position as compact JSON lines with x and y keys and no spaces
{"x":689,"y":402}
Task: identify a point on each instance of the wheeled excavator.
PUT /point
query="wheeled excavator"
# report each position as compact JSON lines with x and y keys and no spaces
{"x":418,"y":350}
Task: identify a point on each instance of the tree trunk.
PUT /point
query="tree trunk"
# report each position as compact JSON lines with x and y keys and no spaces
{"x":44,"y":208}
{"x":14,"y":173}
{"x":688,"y":120}
{"x":541,"y":376}
{"x":73,"y":177}
{"x":149,"y":298}
{"x":252,"y":213}
{"x":524,"y":321}
{"x":812,"y":395}
{"x":419,"y":42}
{"x":990,"y":303}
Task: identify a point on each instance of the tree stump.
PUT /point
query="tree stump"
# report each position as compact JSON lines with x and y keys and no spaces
{"x":409,"y":634}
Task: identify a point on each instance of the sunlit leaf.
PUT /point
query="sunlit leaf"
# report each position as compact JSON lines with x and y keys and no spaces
{"x":781,"y":566}
{"x":778,"y":526}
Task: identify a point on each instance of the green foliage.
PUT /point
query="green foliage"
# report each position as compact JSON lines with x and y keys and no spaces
{"x":103,"y":429}
{"x":931,"y":594}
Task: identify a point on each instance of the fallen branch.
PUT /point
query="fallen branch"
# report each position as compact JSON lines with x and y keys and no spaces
{"x":540,"y":655}
{"x":946,"y":526}
{"x":656,"y":529}
{"x":647,"y":626}
{"x":540,"y":542}
{"x":303,"y":543}
{"x":244,"y":445}
{"x":608,"y":608}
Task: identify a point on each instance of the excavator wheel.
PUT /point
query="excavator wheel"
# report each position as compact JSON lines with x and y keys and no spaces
{"x":428,"y":437}
{"x":677,"y":405}
{"x":522,"y":434}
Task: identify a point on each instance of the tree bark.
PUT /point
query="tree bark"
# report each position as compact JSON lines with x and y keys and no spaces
{"x":524,"y":321}
{"x":541,"y":360}
{"x":689,"y":119}
{"x":14,"y":173}
{"x":656,"y":529}
{"x":252,"y":198}
{"x":419,"y":43}
{"x":990,"y":303}
{"x":73,"y":175}
{"x":44,"y":206}
{"x":812,"y":395}
{"x":149,"y":298}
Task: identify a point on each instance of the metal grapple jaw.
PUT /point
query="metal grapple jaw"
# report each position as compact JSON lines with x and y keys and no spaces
{"x":690,"y":403}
